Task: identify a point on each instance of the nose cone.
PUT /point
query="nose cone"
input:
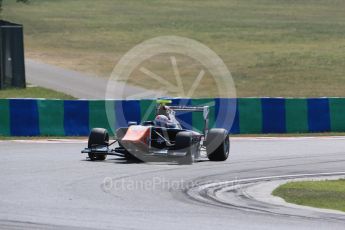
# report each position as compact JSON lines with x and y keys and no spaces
{"x":137,"y":133}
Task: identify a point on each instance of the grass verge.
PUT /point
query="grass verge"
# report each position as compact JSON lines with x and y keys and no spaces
{"x":272,"y":47}
{"x":329,"y":194}
{"x":33,"y":92}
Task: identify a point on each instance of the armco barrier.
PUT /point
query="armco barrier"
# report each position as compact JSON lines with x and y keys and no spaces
{"x":33,"y":117}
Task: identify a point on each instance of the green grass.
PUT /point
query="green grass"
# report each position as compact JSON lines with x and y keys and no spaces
{"x":272,"y":47}
{"x":328,"y":194}
{"x":33,"y":92}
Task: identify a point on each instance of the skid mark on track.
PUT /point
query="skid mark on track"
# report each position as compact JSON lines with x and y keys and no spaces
{"x":210,"y":193}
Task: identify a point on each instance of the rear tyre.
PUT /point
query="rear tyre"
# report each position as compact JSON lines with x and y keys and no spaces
{"x":183,"y":141}
{"x":217,"y":145}
{"x":98,"y":136}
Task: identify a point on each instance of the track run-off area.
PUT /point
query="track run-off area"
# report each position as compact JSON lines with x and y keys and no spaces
{"x":49,"y":184}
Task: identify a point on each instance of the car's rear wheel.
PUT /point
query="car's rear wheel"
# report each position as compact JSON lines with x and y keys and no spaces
{"x":217,"y":145}
{"x":184,"y":142}
{"x":98,"y":136}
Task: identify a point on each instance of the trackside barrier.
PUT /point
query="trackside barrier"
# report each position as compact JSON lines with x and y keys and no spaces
{"x":35,"y":117}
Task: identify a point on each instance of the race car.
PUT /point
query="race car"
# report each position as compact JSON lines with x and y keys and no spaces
{"x":162,"y":140}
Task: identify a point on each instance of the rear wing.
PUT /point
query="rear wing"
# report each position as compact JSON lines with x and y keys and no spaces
{"x":204,"y":109}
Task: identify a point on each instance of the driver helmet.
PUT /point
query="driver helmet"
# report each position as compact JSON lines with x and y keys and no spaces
{"x":163,"y":110}
{"x":161,"y":120}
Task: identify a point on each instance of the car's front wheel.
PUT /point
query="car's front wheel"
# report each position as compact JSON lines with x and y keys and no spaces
{"x":98,"y":136}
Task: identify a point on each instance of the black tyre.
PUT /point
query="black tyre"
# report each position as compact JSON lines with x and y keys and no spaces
{"x":217,"y":145}
{"x":183,"y":141}
{"x":98,"y":136}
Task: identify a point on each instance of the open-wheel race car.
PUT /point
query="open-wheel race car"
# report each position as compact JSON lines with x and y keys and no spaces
{"x":162,"y":140}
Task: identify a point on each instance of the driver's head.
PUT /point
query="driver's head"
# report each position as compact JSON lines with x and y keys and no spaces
{"x":163,"y":110}
{"x":161,"y":120}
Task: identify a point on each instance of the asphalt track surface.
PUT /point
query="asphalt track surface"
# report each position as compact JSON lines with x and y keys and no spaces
{"x":78,"y":85}
{"x":50,"y":185}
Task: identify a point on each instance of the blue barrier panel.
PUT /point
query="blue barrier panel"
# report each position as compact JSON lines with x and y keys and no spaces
{"x":126,"y":111}
{"x":185,"y":118}
{"x":76,"y":118}
{"x":318,"y":115}
{"x":273,"y":115}
{"x":235,"y":128}
{"x":24,"y":117}
{"x":227,"y":115}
